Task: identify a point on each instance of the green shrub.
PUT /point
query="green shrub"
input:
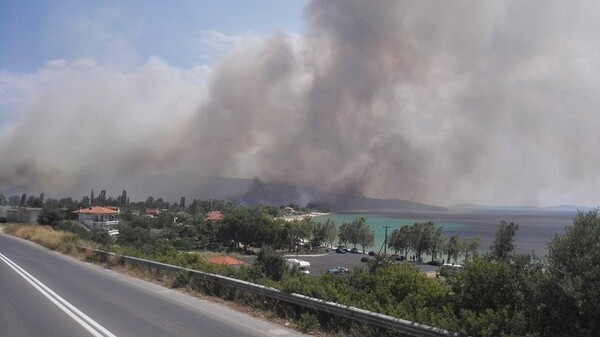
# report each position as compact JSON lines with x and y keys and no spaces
{"x":308,"y":322}
{"x":182,"y":279}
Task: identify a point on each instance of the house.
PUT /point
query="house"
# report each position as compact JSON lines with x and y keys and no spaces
{"x":96,"y":217}
{"x":152,"y":212}
{"x":23,"y":214}
{"x":214,"y":216}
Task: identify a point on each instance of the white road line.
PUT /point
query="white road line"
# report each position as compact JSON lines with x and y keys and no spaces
{"x":85,"y":321}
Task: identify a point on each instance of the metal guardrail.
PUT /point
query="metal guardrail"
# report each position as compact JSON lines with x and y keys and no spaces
{"x":359,"y":315}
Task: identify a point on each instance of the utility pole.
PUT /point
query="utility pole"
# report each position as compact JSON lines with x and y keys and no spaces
{"x":385,"y":241}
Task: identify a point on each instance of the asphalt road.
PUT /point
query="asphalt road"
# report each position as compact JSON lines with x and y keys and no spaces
{"x":44,"y":293}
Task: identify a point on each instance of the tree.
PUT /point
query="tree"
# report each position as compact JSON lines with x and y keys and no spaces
{"x":182,"y":203}
{"x":50,"y":215}
{"x":235,"y":227}
{"x":14,"y":200}
{"x":150,"y":202}
{"x":31,"y":201}
{"x":399,"y":240}
{"x":271,"y":264}
{"x":325,"y":233}
{"x":345,"y":233}
{"x":299,"y":230}
{"x":421,"y":237}
{"x":3,"y":200}
{"x":102,"y":198}
{"x":453,"y":248}
{"x":366,"y":237}
{"x":504,"y":244}
{"x":329,"y":232}
{"x":571,"y":305}
{"x":437,"y":243}
{"x":269,"y":231}
{"x":23,"y":200}
{"x":85,"y":201}
{"x":495,"y":297}
{"x":161,"y":204}
{"x":209,"y":230}
{"x":470,"y":247}
{"x":194,"y":207}
{"x":123,"y":199}
{"x":318,"y":233}
{"x":416,"y":232}
{"x":392,"y":239}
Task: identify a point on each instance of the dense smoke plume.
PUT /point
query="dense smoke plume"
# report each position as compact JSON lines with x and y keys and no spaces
{"x":439,"y":102}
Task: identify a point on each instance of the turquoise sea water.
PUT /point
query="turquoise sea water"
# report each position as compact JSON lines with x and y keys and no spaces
{"x":535,"y":229}
{"x":377,"y":222}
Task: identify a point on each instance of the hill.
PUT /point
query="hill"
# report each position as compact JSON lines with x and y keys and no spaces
{"x":173,"y":185}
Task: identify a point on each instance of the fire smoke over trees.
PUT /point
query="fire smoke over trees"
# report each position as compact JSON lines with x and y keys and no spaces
{"x":441,"y":102}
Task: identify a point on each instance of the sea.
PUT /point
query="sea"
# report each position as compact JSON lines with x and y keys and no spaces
{"x":536,"y":228}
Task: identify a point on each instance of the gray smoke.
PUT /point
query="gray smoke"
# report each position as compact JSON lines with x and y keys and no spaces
{"x":440,"y":102}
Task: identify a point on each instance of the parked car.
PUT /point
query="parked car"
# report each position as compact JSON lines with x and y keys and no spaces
{"x":337,"y":270}
{"x":341,"y":250}
{"x":354,"y":251}
{"x":372,"y":253}
{"x":400,"y":258}
{"x":448,"y":269}
{"x":364,"y":259}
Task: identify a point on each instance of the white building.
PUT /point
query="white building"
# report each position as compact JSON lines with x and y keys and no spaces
{"x":22,"y":214}
{"x":96,"y":217}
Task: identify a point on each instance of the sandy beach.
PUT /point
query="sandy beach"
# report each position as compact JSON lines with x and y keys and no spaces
{"x":293,"y":217}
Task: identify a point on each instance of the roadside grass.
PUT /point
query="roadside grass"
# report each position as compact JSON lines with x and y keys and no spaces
{"x":43,"y":235}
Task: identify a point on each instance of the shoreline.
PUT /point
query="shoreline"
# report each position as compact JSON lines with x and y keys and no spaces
{"x":302,"y":216}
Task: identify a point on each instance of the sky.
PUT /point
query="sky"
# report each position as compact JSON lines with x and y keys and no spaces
{"x":466,"y":102}
{"x":125,"y":34}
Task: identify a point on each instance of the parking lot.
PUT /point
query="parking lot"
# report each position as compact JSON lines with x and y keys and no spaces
{"x":322,"y":262}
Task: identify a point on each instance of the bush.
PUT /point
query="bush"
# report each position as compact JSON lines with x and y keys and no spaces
{"x":73,"y":227}
{"x":308,"y":323}
{"x":571,"y":296}
{"x":271,"y":264}
{"x":182,"y":279}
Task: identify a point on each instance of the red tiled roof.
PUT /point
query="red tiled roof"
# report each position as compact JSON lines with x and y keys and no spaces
{"x":224,"y":259}
{"x":153,"y":211}
{"x":96,"y":210}
{"x":214,"y":216}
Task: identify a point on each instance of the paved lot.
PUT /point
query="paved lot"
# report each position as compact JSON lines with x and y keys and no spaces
{"x":321,"y":263}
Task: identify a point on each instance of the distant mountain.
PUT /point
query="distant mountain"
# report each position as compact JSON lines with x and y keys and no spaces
{"x":370,"y":204}
{"x":485,"y":208}
{"x":173,"y":185}
{"x":279,"y":194}
{"x":568,"y":208}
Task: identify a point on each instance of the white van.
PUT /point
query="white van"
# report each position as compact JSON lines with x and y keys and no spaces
{"x":303,"y":266}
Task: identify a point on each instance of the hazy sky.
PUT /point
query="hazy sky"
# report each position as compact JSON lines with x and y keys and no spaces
{"x":442,"y":102}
